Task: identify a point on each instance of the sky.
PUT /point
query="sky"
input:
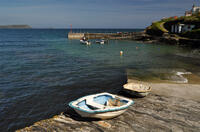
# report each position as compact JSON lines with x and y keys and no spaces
{"x":90,"y":13}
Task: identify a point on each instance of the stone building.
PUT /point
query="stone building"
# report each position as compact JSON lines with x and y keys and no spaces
{"x":195,"y":9}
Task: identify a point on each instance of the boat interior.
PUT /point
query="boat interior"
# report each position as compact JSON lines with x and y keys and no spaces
{"x":101,"y":102}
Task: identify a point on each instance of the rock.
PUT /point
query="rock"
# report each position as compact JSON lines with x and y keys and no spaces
{"x":166,"y":35}
{"x":195,"y":43}
{"x":104,"y":124}
{"x":169,"y":40}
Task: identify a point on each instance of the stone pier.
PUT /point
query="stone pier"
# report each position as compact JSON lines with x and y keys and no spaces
{"x":75,"y":35}
{"x":100,"y":35}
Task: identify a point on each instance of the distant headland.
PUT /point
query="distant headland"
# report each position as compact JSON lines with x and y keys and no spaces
{"x":15,"y":27}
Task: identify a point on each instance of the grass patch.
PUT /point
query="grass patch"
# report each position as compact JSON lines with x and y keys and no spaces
{"x":156,"y":28}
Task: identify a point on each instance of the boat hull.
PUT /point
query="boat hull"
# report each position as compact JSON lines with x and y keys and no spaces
{"x":136,"y":94}
{"x":101,"y":42}
{"x":85,"y":42}
{"x":101,"y":106}
{"x":105,"y":115}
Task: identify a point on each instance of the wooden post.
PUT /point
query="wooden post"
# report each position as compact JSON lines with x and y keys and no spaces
{"x":71,"y":28}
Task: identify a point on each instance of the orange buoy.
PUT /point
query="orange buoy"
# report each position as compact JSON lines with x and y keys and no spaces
{"x":121,"y":52}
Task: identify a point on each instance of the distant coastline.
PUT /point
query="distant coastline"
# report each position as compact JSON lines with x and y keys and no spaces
{"x":15,"y":27}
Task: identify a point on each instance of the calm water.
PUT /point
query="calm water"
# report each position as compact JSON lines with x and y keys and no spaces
{"x":41,"y":70}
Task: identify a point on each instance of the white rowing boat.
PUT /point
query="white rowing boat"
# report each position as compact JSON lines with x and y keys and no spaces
{"x":102,"y":106}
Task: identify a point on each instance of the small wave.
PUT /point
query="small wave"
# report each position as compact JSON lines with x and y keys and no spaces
{"x":179,"y":78}
{"x":162,"y":74}
{"x":192,"y":54}
{"x":182,"y":73}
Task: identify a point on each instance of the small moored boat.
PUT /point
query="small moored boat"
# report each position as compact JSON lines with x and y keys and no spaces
{"x":137,"y":89}
{"x":85,"y":41}
{"x":102,"y":106}
{"x":102,"y":41}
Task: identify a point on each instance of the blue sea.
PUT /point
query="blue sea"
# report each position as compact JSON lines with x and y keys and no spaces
{"x":41,"y":71}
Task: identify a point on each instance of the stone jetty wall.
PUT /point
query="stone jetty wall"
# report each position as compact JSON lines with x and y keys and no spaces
{"x":100,"y":35}
{"x":75,"y":35}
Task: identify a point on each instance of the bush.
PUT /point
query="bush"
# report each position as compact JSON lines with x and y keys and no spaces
{"x":194,"y":34}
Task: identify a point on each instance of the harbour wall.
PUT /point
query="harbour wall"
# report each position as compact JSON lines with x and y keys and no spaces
{"x":75,"y":35}
{"x":100,"y":35}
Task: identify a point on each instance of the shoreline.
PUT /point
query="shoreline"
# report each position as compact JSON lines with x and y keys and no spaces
{"x":166,"y":38}
{"x":169,"y":107}
{"x":168,"y":77}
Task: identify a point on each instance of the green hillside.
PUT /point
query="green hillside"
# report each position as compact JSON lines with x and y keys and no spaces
{"x":164,"y":26}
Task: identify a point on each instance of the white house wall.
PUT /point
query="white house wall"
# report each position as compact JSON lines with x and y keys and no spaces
{"x":181,"y":28}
